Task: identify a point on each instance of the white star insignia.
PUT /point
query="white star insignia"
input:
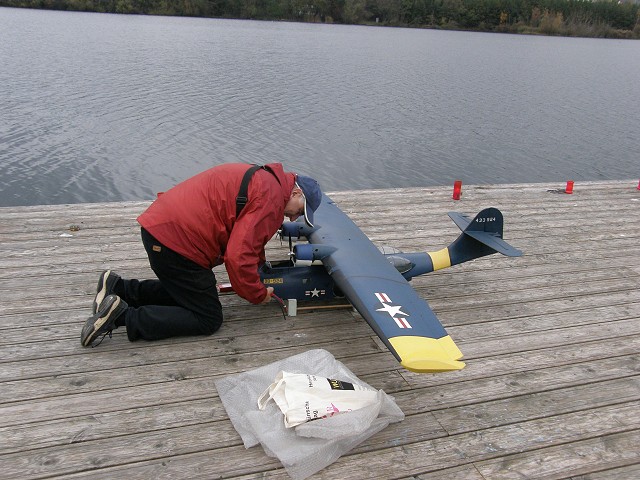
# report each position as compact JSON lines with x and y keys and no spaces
{"x":315,"y":293}
{"x":393,"y":311}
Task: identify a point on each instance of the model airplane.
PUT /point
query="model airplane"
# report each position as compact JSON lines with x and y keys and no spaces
{"x":340,"y":261}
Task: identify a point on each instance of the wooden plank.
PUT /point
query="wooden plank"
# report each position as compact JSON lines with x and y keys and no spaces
{"x":219,"y":347}
{"x":606,"y":281}
{"x":487,"y":271}
{"x":511,"y":384}
{"x":148,"y":418}
{"x":38,"y":327}
{"x":465,"y":472}
{"x":391,"y":231}
{"x":56,"y":384}
{"x":438,"y":226}
{"x":12,"y":276}
{"x":560,"y":357}
{"x":11,"y":261}
{"x":618,"y":473}
{"x":500,"y":441}
{"x":412,"y":401}
{"x":538,"y":405}
{"x":401,"y":461}
{"x":232,"y":339}
{"x":372,"y":196}
{"x":607,"y":451}
{"x":517,"y":277}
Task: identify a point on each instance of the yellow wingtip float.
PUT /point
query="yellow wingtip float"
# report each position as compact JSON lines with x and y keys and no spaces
{"x":427,"y":355}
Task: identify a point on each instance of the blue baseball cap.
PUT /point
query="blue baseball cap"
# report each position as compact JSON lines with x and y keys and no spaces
{"x":312,"y":196}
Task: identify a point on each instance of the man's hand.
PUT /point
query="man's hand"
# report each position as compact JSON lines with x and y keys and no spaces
{"x":267,"y":299}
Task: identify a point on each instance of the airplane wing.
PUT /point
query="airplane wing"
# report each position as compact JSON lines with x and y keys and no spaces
{"x":402,"y":320}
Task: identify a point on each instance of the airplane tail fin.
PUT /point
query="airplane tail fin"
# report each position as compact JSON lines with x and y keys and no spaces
{"x":480,"y":236}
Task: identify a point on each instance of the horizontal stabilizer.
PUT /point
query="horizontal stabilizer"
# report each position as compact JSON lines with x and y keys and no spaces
{"x":491,"y":240}
{"x":460,"y":219}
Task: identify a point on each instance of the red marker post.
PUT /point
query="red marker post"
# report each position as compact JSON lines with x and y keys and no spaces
{"x":457,"y":189}
{"x":569,"y":188}
{"x":638,"y":185}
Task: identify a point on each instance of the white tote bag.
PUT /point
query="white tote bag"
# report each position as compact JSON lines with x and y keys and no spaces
{"x":303,"y":398}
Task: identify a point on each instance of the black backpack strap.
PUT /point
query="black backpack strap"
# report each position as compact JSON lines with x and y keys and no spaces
{"x":242,"y":198}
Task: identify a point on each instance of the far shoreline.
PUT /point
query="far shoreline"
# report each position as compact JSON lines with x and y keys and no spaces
{"x":604,"y":19}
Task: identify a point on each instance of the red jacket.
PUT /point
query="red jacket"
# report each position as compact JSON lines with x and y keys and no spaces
{"x":197,"y":219}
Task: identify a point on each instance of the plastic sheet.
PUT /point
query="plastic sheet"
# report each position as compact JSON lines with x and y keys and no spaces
{"x":311,"y":446}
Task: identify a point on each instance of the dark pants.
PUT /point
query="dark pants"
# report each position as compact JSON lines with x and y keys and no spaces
{"x":183,"y":301}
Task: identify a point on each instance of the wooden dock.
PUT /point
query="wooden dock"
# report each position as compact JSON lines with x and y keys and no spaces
{"x":552,"y":343}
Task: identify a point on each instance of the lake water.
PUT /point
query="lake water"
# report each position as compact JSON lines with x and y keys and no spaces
{"x":97,"y":108}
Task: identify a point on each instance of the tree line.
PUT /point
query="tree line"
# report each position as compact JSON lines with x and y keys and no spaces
{"x":598,"y":18}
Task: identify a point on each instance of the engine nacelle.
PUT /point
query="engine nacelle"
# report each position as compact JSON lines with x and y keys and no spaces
{"x":295,"y":230}
{"x":311,"y":252}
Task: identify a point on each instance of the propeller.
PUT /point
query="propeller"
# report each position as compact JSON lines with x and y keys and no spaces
{"x":280,"y":234}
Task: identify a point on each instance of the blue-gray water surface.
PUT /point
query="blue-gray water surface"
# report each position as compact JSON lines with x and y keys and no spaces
{"x":97,"y":108}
